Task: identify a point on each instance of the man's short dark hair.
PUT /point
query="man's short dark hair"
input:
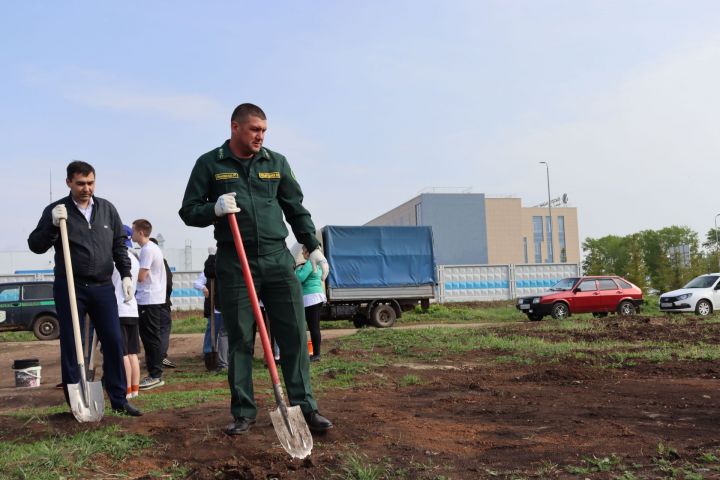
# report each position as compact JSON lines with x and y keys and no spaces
{"x":78,"y":166}
{"x":245,"y":110}
{"x":142,"y":225}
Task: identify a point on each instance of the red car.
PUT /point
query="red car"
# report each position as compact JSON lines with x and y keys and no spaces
{"x":597,"y":295}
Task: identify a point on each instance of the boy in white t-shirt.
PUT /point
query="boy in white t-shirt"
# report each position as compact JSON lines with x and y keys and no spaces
{"x":150,"y":296}
{"x":128,"y":313}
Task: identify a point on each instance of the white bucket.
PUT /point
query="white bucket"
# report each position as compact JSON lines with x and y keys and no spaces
{"x":28,"y":376}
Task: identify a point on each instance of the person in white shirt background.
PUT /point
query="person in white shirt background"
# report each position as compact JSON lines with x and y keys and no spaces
{"x":150,"y":296}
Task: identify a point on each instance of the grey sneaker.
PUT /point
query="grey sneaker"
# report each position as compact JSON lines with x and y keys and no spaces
{"x":151,"y":382}
{"x":168,"y":363}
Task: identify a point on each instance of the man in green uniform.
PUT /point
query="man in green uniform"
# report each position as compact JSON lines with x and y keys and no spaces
{"x":245,"y":179}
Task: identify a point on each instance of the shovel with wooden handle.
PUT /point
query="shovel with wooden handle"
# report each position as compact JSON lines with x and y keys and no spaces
{"x":289,"y":423}
{"x":91,"y":361}
{"x":87,"y":401}
{"x":211,"y":358}
{"x":86,"y":339}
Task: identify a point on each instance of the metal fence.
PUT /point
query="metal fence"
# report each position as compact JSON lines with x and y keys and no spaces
{"x":455,"y":283}
{"x":478,"y":283}
{"x":184,"y":295}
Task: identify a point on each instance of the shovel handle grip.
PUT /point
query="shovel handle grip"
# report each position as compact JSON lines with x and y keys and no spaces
{"x":71,"y":295}
{"x":267,"y":349}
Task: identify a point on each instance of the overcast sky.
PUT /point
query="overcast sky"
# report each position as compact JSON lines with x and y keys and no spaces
{"x":372,"y":102}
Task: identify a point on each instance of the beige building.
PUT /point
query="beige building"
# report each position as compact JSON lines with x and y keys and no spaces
{"x":472,"y":229}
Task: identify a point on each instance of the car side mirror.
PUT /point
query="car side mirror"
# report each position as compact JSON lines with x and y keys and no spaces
{"x":576,"y":290}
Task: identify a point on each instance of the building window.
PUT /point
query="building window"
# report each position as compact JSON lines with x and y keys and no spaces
{"x":561,"y":238}
{"x":550,"y":253}
{"x":538,"y":238}
{"x":525,"y":252}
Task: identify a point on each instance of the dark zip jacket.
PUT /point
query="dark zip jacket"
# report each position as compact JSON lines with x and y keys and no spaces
{"x":94,"y":246}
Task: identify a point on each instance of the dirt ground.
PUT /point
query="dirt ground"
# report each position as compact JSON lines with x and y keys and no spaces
{"x":468,"y":418}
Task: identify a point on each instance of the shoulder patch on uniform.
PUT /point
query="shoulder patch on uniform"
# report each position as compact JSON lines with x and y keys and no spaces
{"x":269,"y":175}
{"x":226,"y":175}
{"x":221,"y":153}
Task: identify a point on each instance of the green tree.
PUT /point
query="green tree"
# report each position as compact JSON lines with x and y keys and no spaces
{"x":606,"y":255}
{"x":712,"y":249}
{"x":636,"y":271}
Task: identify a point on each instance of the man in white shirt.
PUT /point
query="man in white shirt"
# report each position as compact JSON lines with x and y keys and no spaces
{"x":150,"y":297}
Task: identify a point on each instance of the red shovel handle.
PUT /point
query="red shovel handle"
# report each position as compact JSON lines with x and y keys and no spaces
{"x":267,"y":349}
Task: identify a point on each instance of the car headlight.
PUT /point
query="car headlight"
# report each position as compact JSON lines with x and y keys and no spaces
{"x":684,"y":296}
{"x":536,"y":300}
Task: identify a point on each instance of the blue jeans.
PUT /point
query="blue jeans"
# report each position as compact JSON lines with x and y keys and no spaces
{"x":221,"y":339}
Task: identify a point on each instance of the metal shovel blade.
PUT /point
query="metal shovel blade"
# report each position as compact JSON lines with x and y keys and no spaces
{"x":89,"y":405}
{"x":211,"y":361}
{"x":294,"y":434}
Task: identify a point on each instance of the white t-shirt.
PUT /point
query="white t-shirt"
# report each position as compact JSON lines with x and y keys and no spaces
{"x":152,"y":290}
{"x":126,"y":309}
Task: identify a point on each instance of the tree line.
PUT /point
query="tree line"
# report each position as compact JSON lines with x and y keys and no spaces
{"x":663,"y":259}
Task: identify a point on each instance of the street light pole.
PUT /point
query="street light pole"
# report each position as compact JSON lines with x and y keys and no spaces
{"x":550,"y":249}
{"x":717,"y":244}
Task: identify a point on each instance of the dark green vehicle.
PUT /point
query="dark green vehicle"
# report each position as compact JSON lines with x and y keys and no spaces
{"x":29,"y":306}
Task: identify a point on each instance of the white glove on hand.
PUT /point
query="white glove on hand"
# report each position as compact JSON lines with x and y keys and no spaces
{"x":127,"y":288}
{"x":317,"y":258}
{"x":226,"y":204}
{"x":58,"y":212}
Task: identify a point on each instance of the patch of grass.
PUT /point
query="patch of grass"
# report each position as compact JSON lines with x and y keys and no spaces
{"x":334,"y":373}
{"x":459,"y":313}
{"x":38,"y":414}
{"x":163,"y":400}
{"x":357,"y":466}
{"x":66,"y":455}
{"x":595,"y":464}
{"x":17,"y":337}
{"x":189,"y":324}
{"x":408,"y":380}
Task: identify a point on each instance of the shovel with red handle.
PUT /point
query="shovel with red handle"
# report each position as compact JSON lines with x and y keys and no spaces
{"x":289,"y":423}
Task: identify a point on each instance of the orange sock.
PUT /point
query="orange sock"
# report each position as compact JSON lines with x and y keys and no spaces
{"x":135,"y":388}
{"x":129,"y":390}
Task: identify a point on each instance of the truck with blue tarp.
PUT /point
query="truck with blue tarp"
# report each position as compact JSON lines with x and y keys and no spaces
{"x":377,"y":272}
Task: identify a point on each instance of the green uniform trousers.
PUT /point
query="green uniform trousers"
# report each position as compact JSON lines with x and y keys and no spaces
{"x":281,"y":293}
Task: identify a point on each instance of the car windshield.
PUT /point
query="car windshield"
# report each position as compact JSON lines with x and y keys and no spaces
{"x":704,"y":281}
{"x":564,"y":285}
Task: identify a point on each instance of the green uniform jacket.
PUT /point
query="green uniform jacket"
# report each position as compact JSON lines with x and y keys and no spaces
{"x":266,"y":192}
{"x":311,"y":281}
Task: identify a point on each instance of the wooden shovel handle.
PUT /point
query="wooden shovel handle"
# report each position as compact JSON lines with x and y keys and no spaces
{"x":71,"y":294}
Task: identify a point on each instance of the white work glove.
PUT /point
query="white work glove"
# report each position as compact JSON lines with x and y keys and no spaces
{"x":226,"y":204}
{"x":317,"y":258}
{"x":59,"y":212}
{"x":127,"y":288}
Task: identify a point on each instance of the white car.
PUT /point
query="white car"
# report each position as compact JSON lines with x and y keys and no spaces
{"x":701,"y":295}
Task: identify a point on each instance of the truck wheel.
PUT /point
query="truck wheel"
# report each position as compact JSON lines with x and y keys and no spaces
{"x":359,"y":321}
{"x":383,"y":315}
{"x":46,"y":327}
